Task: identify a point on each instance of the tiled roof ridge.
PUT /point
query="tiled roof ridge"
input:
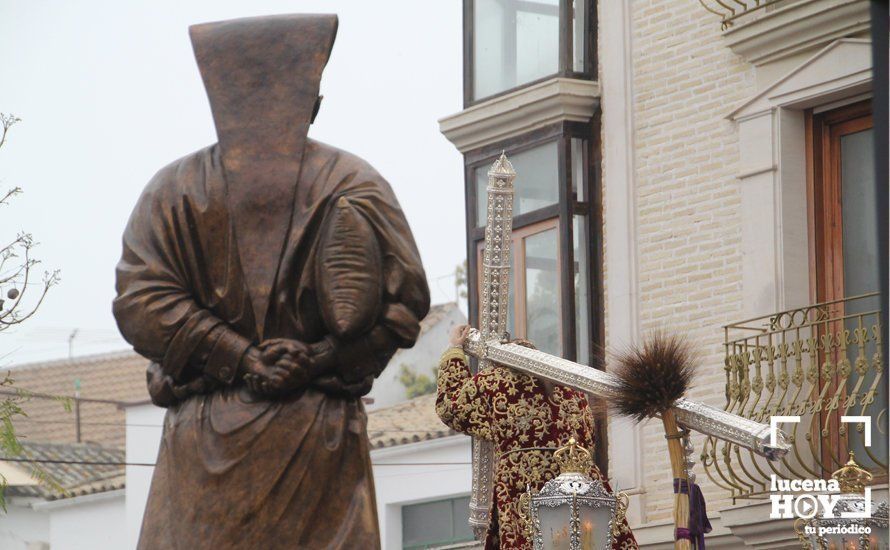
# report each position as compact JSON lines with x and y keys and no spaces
{"x":80,"y":468}
{"x":91,"y":445}
{"x":93,"y":358}
{"x":404,"y":404}
{"x":393,"y":429}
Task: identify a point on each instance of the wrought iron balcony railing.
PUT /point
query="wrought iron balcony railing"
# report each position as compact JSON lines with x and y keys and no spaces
{"x":730,"y":11}
{"x":820,"y":363}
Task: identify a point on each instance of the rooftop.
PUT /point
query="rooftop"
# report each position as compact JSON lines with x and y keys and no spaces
{"x":409,"y":422}
{"x":79,"y":468}
{"x":101,"y":381}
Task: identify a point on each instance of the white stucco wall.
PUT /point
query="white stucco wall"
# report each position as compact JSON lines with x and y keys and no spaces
{"x":144,"y":427}
{"x":92,"y":522}
{"x":397,"y":486}
{"x":21,"y":527}
{"x":422,"y":359}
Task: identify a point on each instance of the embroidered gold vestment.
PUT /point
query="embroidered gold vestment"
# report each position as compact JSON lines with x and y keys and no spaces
{"x":526,"y":424}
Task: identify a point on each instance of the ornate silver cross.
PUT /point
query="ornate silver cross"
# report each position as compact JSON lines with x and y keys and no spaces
{"x":488,"y":345}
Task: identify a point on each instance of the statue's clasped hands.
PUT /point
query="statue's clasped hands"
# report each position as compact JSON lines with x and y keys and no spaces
{"x":277,"y":367}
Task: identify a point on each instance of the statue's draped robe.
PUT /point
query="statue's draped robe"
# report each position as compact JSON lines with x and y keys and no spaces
{"x":236,"y":470}
{"x":526,"y":424}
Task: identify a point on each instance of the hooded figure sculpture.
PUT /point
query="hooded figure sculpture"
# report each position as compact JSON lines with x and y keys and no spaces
{"x":269,"y":278}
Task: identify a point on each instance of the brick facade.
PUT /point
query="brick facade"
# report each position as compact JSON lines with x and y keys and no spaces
{"x":684,"y":82}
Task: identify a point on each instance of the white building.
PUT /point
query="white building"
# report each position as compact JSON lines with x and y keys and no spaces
{"x":419,"y":360}
{"x":89,"y":517}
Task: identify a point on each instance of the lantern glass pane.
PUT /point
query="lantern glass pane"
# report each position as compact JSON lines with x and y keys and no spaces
{"x":842,"y":542}
{"x":555,"y":526}
{"x":594,"y":527}
{"x":879,"y":537}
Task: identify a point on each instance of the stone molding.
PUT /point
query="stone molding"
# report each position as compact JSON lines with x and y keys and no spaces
{"x":796,"y":27}
{"x":500,"y":118}
{"x":839,"y":70}
{"x":772,"y":171}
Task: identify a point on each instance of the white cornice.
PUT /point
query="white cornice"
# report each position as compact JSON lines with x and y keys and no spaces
{"x":799,"y":26}
{"x":513,"y":114}
{"x":82,"y":499}
{"x":411,"y":448}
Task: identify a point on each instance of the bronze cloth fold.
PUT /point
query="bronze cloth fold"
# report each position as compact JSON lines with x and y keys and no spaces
{"x":236,"y":470}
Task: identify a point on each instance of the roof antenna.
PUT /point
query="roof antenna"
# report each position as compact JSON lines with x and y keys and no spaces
{"x":71,"y":338}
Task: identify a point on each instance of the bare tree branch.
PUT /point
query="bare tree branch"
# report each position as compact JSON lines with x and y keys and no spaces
{"x":17,"y":267}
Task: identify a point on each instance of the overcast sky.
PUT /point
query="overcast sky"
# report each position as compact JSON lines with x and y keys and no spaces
{"x":108,"y":93}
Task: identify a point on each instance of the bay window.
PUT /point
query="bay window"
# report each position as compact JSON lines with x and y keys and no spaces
{"x":511,"y":43}
{"x":552,"y":291}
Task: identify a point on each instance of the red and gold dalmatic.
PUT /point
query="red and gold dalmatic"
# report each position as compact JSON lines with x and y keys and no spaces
{"x":526,"y":424}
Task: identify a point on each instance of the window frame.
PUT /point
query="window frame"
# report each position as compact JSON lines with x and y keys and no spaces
{"x":518,"y":265}
{"x":565,"y":41}
{"x":823,"y":131}
{"x":563,"y":212}
{"x":432,"y":544}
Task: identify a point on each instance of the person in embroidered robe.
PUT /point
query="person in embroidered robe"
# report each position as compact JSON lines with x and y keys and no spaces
{"x":526,"y":419}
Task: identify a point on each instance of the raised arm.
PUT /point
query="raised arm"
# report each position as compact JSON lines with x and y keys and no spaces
{"x":461,"y":402}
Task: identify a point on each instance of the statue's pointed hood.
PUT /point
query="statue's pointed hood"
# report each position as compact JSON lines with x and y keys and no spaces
{"x":262,"y":76}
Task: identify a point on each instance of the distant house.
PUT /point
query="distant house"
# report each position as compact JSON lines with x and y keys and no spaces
{"x":419,"y":360}
{"x":421,"y":468}
{"x":422,"y":477}
{"x":96,"y":384}
{"x":88,"y":516}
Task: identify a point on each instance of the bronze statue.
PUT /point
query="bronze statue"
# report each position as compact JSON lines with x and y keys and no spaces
{"x":269,"y":278}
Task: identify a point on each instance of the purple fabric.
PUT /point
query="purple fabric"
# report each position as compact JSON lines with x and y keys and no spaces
{"x":698,"y":516}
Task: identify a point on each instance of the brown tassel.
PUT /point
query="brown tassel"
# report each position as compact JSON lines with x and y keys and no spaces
{"x":653,"y":376}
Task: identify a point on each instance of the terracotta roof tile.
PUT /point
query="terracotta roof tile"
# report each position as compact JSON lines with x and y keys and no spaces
{"x":409,"y":422}
{"x":114,"y":377}
{"x":81,"y":469}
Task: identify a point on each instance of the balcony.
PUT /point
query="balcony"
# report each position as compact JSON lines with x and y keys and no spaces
{"x":821,"y":362}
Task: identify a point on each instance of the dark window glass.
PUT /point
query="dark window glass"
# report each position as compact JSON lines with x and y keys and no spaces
{"x":436,"y":523}
{"x":536,"y":184}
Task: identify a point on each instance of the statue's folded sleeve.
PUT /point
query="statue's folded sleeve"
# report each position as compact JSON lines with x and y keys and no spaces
{"x":156,"y":307}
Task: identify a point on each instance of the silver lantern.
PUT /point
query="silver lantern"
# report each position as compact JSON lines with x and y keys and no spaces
{"x":572,"y":511}
{"x":844,"y":533}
